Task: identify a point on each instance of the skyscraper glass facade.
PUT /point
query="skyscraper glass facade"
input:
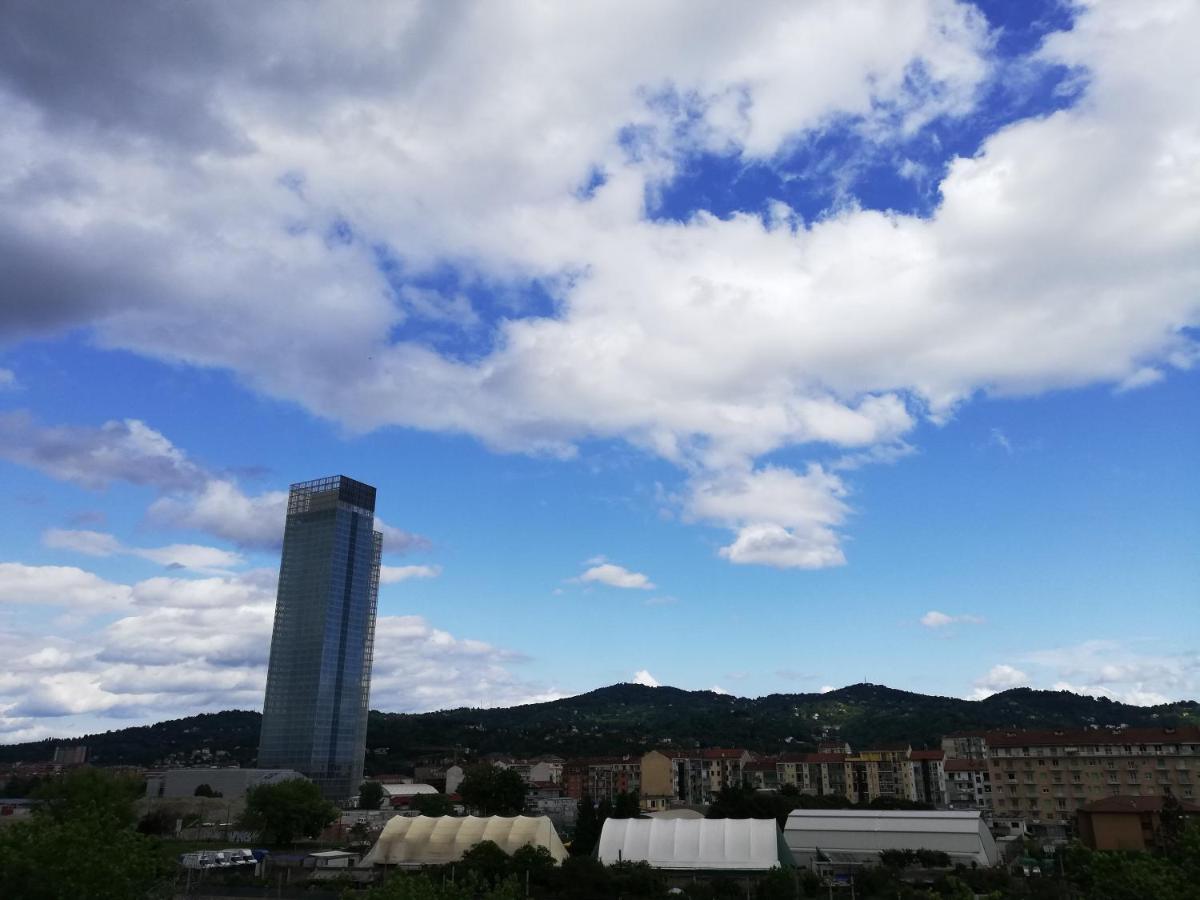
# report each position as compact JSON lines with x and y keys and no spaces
{"x":319,"y":676}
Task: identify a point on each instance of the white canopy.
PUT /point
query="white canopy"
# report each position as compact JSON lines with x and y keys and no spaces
{"x":436,"y":840}
{"x":693,"y":844}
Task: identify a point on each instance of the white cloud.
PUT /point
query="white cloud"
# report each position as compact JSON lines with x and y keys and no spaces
{"x":394,"y":574}
{"x":1064,"y":253}
{"x":825,"y":689}
{"x":64,"y":586}
{"x":616,"y":576}
{"x":782,"y":519}
{"x":220,"y":508}
{"x":935,"y":619}
{"x":1115,"y":669}
{"x":192,"y":645}
{"x":8,"y":380}
{"x":998,"y":678}
{"x":128,"y":450}
{"x":196,"y":557}
{"x":643,"y":677}
{"x":717,"y":689}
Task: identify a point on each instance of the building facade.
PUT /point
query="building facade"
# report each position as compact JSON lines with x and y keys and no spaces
{"x":1045,"y":777}
{"x":318,"y":678}
{"x":929,"y":777}
{"x":968,"y":784}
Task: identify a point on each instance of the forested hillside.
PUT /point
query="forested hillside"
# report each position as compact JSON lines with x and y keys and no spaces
{"x":629,"y":718}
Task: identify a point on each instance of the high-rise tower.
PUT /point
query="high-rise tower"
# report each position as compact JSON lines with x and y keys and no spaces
{"x":319,"y":676}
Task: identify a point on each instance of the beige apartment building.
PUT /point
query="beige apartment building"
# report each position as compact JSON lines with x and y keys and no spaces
{"x":1045,"y":777}
{"x":690,"y":777}
{"x":881,"y":772}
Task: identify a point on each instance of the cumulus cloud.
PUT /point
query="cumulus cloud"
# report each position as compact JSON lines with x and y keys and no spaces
{"x":197,"y":557}
{"x":1118,"y":670}
{"x":128,"y":450}
{"x":781,"y":518}
{"x":643,"y":677}
{"x":200,"y":644}
{"x":1064,"y":253}
{"x":394,"y":574}
{"x":998,"y":678}
{"x":935,"y":619}
{"x":616,"y":576}
{"x":64,"y":586}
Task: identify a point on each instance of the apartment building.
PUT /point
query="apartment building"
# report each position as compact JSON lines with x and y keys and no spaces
{"x":880,"y":772}
{"x":670,"y":777}
{"x":819,"y":774}
{"x":965,"y":745}
{"x":602,"y":777}
{"x":968,"y":784}
{"x":929,"y":776}
{"x":1045,"y":777}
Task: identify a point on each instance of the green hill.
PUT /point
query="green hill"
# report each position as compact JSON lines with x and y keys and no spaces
{"x":629,"y":718}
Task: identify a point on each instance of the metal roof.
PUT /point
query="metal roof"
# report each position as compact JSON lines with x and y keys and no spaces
{"x":962,"y":834}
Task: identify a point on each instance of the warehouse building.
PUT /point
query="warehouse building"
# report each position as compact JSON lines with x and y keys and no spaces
{"x":857,"y":837}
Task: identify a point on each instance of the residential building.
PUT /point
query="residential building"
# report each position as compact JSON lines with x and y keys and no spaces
{"x":968,"y":784}
{"x":1124,"y":823}
{"x":319,"y":674}
{"x":671,"y":777}
{"x":929,"y":776}
{"x":965,"y":745}
{"x":881,"y":772}
{"x":601,"y":778}
{"x":1045,"y":777}
{"x":819,"y":774}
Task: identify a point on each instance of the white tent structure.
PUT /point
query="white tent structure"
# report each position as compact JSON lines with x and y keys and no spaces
{"x":436,"y":840}
{"x":858,"y":836}
{"x":710,"y":845}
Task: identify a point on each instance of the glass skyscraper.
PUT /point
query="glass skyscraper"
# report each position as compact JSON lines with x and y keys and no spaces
{"x":319,"y":676}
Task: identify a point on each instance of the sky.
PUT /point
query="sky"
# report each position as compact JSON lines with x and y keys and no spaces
{"x":747,"y":348}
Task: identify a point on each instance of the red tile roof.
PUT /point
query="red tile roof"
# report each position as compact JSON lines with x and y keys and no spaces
{"x":824,"y":757}
{"x":927,"y":754}
{"x":1184,"y":734}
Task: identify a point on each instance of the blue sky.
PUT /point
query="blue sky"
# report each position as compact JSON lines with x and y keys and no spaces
{"x":840,"y":342}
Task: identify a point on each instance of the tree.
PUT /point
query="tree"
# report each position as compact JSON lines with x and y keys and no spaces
{"x":493,"y":791}
{"x":487,"y":861}
{"x":432,"y":805}
{"x":370,"y":795}
{"x":627,"y":806}
{"x":287,"y":810}
{"x":587,"y":828}
{"x":205,"y":790}
{"x":81,"y":843}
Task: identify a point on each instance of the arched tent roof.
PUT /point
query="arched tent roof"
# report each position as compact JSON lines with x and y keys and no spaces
{"x":745,"y":845}
{"x":435,"y":840}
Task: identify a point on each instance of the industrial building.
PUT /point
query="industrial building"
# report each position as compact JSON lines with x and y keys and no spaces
{"x":857,"y":837}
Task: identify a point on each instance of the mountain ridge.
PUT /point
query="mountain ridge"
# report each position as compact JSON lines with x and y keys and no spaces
{"x":627,"y":718}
